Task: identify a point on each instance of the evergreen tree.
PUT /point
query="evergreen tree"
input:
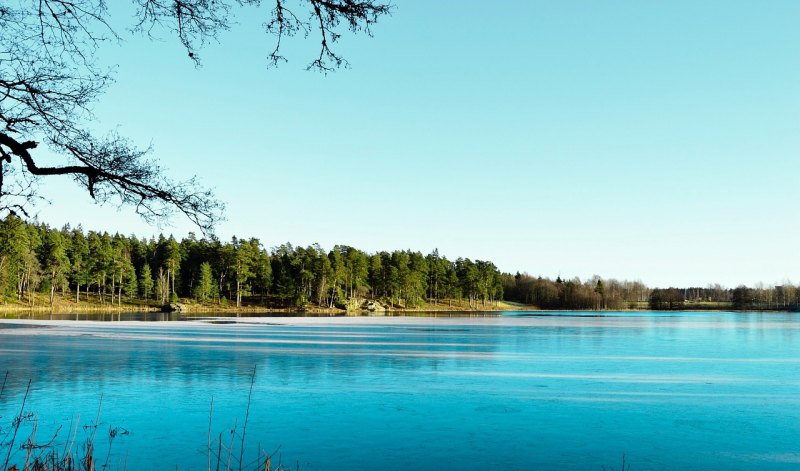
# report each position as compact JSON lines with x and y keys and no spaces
{"x":55,"y":262}
{"x":601,"y":291}
{"x":375,"y":276}
{"x":145,"y":282}
{"x":171,"y":262}
{"x":244,"y":258}
{"x":262,"y":273}
{"x":12,"y":236}
{"x":79,"y":262}
{"x":204,"y":283}
{"x":29,"y":268}
{"x":437,"y":269}
{"x":100,"y":262}
{"x":129,"y":284}
{"x":36,"y":257}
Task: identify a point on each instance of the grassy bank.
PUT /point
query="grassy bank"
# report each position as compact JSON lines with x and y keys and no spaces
{"x":62,"y":304}
{"x":92,"y":303}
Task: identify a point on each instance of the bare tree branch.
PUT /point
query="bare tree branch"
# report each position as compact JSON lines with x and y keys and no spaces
{"x":49,"y":78}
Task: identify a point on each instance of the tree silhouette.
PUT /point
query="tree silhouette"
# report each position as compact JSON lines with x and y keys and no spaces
{"x":50,"y":77}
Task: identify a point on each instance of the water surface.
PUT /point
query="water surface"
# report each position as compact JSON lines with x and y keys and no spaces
{"x":535,"y":391}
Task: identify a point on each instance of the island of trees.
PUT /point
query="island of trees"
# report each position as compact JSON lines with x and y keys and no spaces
{"x":44,"y":266}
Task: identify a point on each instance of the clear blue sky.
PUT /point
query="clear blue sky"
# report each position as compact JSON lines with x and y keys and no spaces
{"x":640,"y":140}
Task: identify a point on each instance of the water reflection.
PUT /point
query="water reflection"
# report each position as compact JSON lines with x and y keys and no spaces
{"x":178,"y":317}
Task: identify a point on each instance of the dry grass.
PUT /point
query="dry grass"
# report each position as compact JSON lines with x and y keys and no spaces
{"x":30,"y":454}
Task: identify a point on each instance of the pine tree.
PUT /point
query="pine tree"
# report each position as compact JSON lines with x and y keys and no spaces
{"x":79,"y":261}
{"x":145,"y":282}
{"x":129,"y":284}
{"x":204,"y":283}
{"x":12,"y":235}
{"x":55,"y":262}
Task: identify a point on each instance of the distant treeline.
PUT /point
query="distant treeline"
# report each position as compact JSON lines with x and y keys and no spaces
{"x":595,"y":293}
{"x":35,"y":258}
{"x":782,"y":297}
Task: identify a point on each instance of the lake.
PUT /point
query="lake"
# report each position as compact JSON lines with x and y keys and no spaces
{"x":517,"y":391}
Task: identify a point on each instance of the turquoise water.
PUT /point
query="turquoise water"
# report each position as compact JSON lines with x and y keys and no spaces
{"x":559,"y":391}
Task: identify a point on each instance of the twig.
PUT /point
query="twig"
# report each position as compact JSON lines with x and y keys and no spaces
{"x":47,"y":447}
{"x":246,"y":416}
{"x":112,"y":434}
{"x":219,"y":450}
{"x":17,"y":423}
{"x":97,"y":419}
{"x":230,"y":449}
{"x":31,"y":439}
{"x":68,"y":451}
{"x":3,"y":388}
{"x":210,"y":414}
{"x":90,"y":446}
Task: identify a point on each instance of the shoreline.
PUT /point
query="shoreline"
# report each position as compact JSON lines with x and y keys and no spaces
{"x":91,"y":306}
{"x":70,"y":307}
{"x":291,"y":312}
{"x":93,"y":310}
{"x":73,"y":327}
{"x":265,"y":317}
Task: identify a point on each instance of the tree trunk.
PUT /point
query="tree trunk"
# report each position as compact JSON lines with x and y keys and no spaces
{"x":20,"y":285}
{"x":30,"y":289}
{"x":238,"y":293}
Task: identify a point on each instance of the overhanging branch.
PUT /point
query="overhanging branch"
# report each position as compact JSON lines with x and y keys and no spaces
{"x":115,"y":169}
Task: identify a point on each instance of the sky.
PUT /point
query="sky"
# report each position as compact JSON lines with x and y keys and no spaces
{"x":656,"y":141}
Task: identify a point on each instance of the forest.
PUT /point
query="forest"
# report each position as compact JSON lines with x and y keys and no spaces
{"x":36,"y":259}
{"x":40,"y":262}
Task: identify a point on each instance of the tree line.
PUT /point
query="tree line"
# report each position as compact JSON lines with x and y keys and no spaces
{"x":595,"y":293}
{"x":112,"y":268}
{"x":37,"y":260}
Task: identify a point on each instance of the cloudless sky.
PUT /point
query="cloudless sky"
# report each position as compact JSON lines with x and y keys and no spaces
{"x":638,"y":140}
